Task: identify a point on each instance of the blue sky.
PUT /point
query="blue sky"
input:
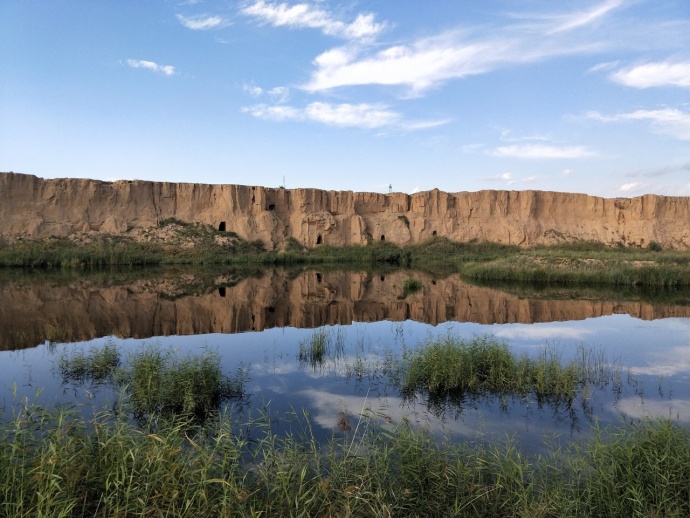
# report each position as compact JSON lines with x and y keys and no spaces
{"x":586,"y":96}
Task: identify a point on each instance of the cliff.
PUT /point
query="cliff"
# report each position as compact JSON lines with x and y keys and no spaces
{"x":38,"y":208}
{"x":31,"y":314}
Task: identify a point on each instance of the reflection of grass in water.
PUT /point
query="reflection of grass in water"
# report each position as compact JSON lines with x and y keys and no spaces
{"x":156,"y":381}
{"x":96,"y":365}
{"x":57,"y":463}
{"x":411,"y":285}
{"x":322,"y":346}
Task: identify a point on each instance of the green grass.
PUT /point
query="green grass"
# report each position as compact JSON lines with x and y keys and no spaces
{"x":411,"y":285}
{"x":320,"y":347}
{"x":156,"y":381}
{"x":57,"y":463}
{"x":585,"y":262}
{"x":98,"y":365}
{"x":582,"y":262}
{"x":447,"y":371}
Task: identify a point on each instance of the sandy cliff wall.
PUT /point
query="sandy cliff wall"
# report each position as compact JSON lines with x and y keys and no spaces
{"x":39,"y":208}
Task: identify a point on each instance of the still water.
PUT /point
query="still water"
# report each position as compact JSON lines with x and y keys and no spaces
{"x":258,"y":323}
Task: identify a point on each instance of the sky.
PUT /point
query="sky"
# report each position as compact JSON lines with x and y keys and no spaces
{"x":572,"y":96}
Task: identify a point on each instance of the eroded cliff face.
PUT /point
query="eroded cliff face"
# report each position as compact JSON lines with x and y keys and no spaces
{"x":39,"y":208}
{"x":31,"y":314}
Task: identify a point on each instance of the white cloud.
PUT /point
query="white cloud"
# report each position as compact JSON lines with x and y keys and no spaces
{"x":274,"y":113}
{"x":654,"y":74}
{"x":367,"y":116}
{"x":203,"y":22}
{"x":426,"y":62}
{"x":279,"y":94}
{"x":253,"y":90}
{"x":567,"y":172}
{"x":304,"y":15}
{"x":507,"y":136}
{"x":604,"y":66}
{"x":581,"y":19}
{"x":498,"y":177}
{"x":632,"y":186}
{"x":539,"y":151}
{"x":666,"y":120}
{"x":167,"y":70}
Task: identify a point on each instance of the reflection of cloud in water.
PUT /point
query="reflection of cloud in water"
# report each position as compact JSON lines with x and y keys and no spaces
{"x":636,"y":408}
{"x":537,"y":332}
{"x":670,"y":362}
{"x":327,"y":408}
{"x":475,"y":424}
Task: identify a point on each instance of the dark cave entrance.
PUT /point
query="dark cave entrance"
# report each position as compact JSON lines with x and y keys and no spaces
{"x":221,"y":227}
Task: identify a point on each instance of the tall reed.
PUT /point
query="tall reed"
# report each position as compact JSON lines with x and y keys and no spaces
{"x":57,"y":463}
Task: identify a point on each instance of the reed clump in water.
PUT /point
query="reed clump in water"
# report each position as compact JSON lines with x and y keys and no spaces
{"x":157,"y":382}
{"x":452,"y":369}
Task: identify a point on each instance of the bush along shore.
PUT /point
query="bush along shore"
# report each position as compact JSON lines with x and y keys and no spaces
{"x":58,"y":463}
{"x":178,"y":242}
{"x":184,"y":456}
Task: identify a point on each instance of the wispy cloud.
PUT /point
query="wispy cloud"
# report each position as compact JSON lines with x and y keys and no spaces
{"x":203,"y":22}
{"x":660,"y":171}
{"x":367,"y":116}
{"x":539,"y":151}
{"x":279,"y":94}
{"x":669,"y":121}
{"x":253,"y":90}
{"x":579,"y":19}
{"x":498,"y":178}
{"x":507,"y":136}
{"x":631,"y":186}
{"x":167,"y":70}
{"x":310,"y":16}
{"x":654,"y":75}
{"x":604,"y":66}
{"x":426,"y":62}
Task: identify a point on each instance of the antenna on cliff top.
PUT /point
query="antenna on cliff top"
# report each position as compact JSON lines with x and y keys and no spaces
{"x":390,"y":188}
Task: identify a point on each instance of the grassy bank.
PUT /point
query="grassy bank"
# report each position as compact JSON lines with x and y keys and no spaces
{"x":584,"y":263}
{"x":56,"y":463}
{"x":177,"y":242}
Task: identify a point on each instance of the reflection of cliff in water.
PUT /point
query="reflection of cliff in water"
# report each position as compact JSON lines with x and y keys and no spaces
{"x":31,"y":314}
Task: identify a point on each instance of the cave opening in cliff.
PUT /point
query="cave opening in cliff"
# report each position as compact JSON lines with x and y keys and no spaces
{"x":221,"y":227}
{"x":221,"y":291}
{"x":319,"y":240}
{"x":272,"y":206}
{"x":433,"y":233}
{"x":383,"y":238}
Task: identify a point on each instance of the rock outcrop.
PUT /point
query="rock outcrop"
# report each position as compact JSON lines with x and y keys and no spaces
{"x":38,"y":208}
{"x":31,"y":314}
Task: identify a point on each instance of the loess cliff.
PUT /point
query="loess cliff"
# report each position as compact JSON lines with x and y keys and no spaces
{"x":38,"y":208}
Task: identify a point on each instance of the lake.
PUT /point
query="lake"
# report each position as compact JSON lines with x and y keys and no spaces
{"x":261,"y":322}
